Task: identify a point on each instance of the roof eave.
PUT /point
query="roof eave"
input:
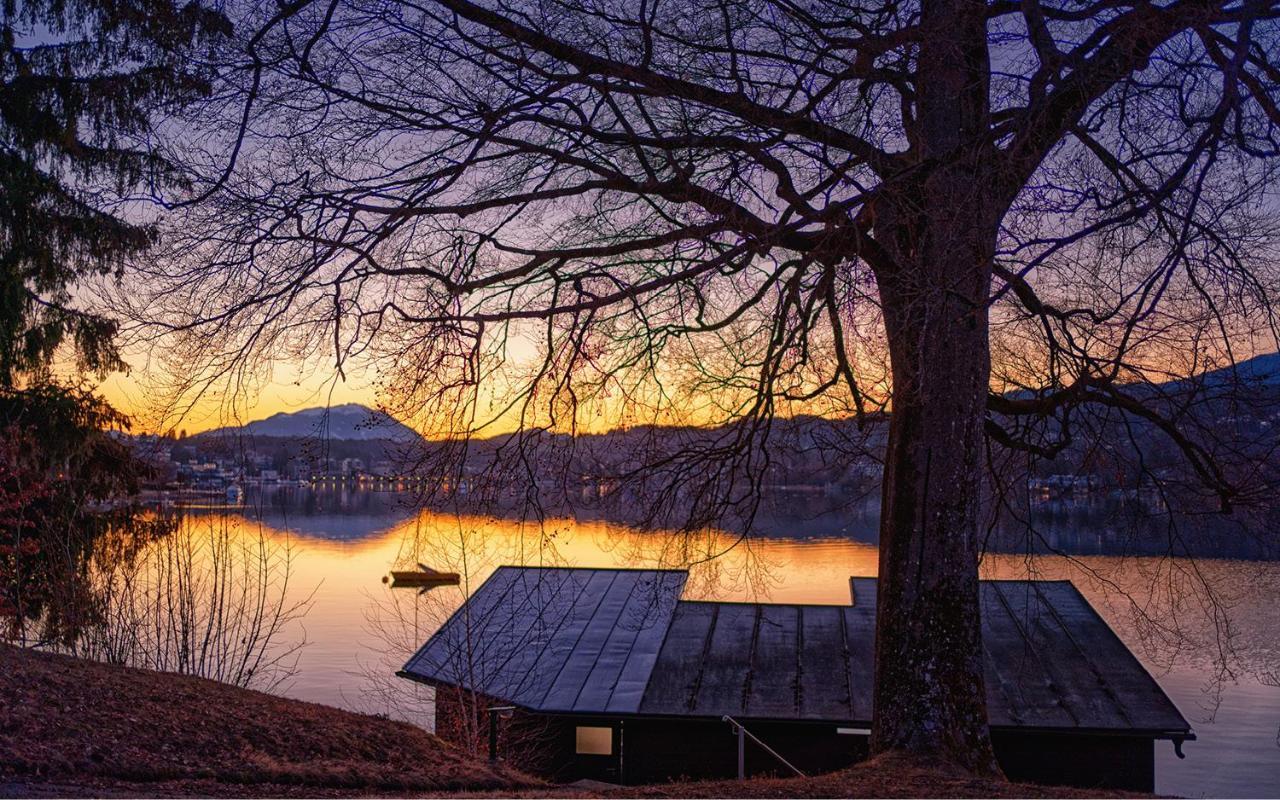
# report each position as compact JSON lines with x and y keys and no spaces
{"x":1172,"y":734}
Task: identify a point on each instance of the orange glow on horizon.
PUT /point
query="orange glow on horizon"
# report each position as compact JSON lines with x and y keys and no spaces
{"x":146,"y":395}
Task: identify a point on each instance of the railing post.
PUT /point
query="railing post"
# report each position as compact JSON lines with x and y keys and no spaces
{"x":494,"y":712}
{"x":493,"y":735}
{"x":742,"y":753}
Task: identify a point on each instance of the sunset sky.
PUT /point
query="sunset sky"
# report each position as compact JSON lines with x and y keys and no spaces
{"x":144,"y":395}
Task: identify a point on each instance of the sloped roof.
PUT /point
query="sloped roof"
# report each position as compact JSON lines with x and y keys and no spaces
{"x":569,"y":640}
{"x":597,"y":641}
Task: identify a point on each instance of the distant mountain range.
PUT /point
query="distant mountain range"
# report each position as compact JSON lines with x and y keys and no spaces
{"x":1263,"y":369}
{"x":356,"y":422}
{"x":349,"y":422}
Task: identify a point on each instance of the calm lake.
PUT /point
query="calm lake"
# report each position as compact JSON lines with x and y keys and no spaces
{"x":1216,"y":652}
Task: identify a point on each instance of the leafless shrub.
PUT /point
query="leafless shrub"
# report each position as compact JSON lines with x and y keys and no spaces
{"x":210,"y":598}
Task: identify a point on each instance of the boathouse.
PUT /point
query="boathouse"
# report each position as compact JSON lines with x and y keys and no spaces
{"x":608,"y":674}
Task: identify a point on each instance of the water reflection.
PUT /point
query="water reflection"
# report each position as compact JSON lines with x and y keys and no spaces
{"x":211,"y":597}
{"x":198,"y":595}
{"x":1205,"y":627}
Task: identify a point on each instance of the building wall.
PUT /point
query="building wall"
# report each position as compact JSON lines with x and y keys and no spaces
{"x":655,"y":751}
{"x":1089,"y":762}
{"x":659,"y":750}
{"x":533,"y":743}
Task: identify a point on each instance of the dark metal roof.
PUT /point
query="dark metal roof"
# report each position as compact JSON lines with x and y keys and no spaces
{"x":570,"y":640}
{"x":620,"y":641}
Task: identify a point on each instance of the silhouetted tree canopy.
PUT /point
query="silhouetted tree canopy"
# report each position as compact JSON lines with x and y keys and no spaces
{"x":1005,"y":223}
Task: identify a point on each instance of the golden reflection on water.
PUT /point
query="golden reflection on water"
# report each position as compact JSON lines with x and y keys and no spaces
{"x":1168,"y":609}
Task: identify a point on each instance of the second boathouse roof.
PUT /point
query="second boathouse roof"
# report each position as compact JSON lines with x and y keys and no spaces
{"x":622,"y":642}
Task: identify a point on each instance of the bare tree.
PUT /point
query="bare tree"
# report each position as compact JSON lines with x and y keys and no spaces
{"x":731,"y":211}
{"x":205,"y":597}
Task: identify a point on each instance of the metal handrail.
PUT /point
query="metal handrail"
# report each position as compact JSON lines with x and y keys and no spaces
{"x":741,"y":731}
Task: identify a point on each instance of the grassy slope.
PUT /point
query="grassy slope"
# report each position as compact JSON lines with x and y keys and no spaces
{"x":65,"y":719}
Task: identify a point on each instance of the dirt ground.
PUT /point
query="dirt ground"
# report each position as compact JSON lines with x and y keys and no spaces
{"x":74,"y":723}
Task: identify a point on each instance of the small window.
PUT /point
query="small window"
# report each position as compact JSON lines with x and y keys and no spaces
{"x":595,"y":741}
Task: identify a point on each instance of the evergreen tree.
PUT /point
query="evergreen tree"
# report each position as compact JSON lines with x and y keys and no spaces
{"x":80,"y":83}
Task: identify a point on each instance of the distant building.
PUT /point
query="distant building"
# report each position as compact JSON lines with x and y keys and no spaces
{"x":614,"y":677}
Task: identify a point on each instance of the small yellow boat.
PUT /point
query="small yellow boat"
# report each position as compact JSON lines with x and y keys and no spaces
{"x":422,"y":578}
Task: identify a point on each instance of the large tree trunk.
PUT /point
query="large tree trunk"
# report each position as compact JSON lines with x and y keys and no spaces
{"x":929,"y":692}
{"x":937,"y":228}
